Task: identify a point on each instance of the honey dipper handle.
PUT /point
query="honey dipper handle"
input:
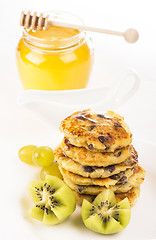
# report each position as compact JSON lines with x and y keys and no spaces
{"x":130,"y":35}
{"x":86,"y":28}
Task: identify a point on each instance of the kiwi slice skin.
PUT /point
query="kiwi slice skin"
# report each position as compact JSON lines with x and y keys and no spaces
{"x":105,"y":215}
{"x":54,"y":200}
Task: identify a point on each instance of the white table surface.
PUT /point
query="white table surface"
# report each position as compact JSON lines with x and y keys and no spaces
{"x":113,"y":56}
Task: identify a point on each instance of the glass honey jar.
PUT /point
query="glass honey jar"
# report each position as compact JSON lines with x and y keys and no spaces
{"x":55,"y":59}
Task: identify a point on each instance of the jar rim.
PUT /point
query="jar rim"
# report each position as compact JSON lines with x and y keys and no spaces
{"x":64,"y":42}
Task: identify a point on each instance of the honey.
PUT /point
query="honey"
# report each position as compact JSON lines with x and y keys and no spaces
{"x":54,"y":59}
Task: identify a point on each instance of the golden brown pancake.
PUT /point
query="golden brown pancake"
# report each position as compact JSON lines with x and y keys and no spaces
{"x":85,"y":157}
{"x":121,"y":177}
{"x":134,"y":181}
{"x":93,"y":171}
{"x":96,"y":132}
{"x":132,"y":196}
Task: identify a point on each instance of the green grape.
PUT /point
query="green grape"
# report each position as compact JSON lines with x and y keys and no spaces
{"x":43,"y":156}
{"x":25,"y":154}
{"x":51,"y":170}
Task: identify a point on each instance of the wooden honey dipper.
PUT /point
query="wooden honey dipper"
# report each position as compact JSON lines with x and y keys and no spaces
{"x":27,"y":20}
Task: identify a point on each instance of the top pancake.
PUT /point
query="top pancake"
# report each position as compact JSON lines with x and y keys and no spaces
{"x":96,"y":132}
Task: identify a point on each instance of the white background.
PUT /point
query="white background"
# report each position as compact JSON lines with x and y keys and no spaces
{"x":113,"y":56}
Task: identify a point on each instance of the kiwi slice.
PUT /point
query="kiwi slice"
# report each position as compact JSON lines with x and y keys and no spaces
{"x":105,"y":215}
{"x":54,"y":200}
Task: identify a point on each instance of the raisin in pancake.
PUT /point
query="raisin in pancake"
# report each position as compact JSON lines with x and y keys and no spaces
{"x":96,"y":132}
{"x":134,"y":181}
{"x":85,"y":157}
{"x":93,"y":171}
{"x":132,"y":196}
{"x":107,"y":182}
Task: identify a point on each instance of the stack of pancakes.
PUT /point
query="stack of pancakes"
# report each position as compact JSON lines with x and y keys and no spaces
{"x":96,"y":153}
